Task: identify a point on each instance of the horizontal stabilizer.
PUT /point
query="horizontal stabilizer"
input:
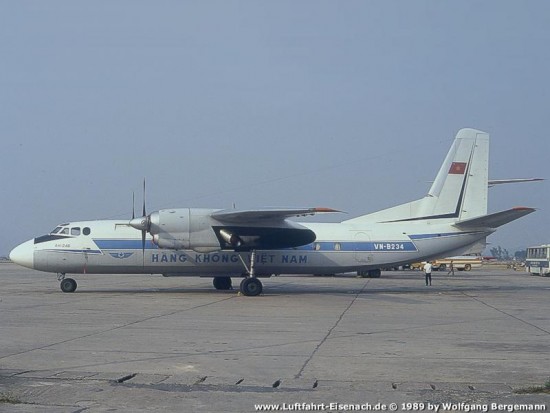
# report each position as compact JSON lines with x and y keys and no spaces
{"x":495,"y":220}
{"x":493,"y":182}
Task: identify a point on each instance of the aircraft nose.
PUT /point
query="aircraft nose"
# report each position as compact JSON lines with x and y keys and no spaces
{"x":23,"y":254}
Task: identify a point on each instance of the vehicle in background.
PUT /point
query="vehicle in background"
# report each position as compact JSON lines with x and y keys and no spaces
{"x":537,"y":261}
{"x":460,"y":263}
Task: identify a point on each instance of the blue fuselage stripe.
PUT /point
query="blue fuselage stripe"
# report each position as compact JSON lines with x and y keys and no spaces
{"x":353,"y":246}
{"x":368,"y":246}
{"x":124,"y":244}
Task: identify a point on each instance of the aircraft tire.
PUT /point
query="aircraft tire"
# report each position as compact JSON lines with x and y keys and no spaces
{"x":251,"y":287}
{"x":369,"y":273}
{"x":68,"y":285}
{"x":222,"y":283}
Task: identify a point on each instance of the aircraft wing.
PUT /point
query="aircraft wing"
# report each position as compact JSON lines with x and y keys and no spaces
{"x":265,"y":228}
{"x":495,"y":220}
{"x":265,"y":214}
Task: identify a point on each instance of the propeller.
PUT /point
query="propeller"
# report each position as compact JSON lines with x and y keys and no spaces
{"x":144,"y":213}
{"x":142,"y":223}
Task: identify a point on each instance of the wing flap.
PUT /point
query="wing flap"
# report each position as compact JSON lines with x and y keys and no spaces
{"x":495,"y":220}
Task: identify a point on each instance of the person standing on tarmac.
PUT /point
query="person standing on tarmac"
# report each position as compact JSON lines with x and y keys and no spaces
{"x":451,"y":268}
{"x":428,"y":272}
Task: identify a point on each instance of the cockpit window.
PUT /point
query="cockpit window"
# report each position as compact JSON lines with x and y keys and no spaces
{"x":86,"y":231}
{"x":65,"y":231}
{"x":56,"y":230}
{"x":75,"y":231}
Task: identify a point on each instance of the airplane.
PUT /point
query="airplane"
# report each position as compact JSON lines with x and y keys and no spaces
{"x":450,"y":220}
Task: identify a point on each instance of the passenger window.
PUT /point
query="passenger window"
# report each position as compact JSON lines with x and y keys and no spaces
{"x":337,"y":246}
{"x":75,"y":231}
{"x":86,"y":231}
{"x":317,"y":246}
{"x":65,"y":231}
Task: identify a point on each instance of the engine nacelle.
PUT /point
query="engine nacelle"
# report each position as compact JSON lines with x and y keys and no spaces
{"x":169,"y":243}
{"x":184,"y":228}
{"x":196,"y":229}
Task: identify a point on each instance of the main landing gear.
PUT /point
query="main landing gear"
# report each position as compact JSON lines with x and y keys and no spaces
{"x":222,"y":283}
{"x":68,"y":285}
{"x":369,"y":273}
{"x":250,"y":286}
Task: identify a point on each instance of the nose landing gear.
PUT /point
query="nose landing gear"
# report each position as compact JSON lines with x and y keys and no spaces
{"x":68,"y":285}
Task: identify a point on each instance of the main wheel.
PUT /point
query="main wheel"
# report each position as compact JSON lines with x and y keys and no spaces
{"x":251,"y":287}
{"x":68,"y":285}
{"x":222,"y":283}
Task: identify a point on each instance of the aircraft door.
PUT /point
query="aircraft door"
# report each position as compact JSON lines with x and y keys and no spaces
{"x":362,"y":246}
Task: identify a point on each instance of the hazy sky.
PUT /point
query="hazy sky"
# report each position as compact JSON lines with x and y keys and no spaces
{"x":344,"y":104}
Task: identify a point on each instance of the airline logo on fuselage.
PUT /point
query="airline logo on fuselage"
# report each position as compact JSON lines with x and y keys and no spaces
{"x":121,"y":255}
{"x":225,"y":258}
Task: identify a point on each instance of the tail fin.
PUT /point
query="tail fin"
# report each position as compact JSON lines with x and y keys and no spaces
{"x":460,"y":188}
{"x":459,"y":191}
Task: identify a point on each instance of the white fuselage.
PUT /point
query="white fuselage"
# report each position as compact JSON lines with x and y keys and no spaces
{"x":114,"y":247}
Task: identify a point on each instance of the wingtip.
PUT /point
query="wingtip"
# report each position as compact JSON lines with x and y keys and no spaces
{"x":323,"y":209}
{"x":523,"y":208}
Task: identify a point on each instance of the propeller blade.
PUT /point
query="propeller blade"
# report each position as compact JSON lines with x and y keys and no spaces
{"x":144,"y":213}
{"x":133,"y":205}
{"x":143,"y":232}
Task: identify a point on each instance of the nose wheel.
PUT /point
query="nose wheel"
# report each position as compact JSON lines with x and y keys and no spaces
{"x":68,"y":285}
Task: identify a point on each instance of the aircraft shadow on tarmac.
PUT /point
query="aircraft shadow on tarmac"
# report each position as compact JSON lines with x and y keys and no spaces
{"x":296,"y":289}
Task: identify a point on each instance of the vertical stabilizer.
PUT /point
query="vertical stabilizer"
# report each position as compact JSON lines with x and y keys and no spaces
{"x":460,"y":188}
